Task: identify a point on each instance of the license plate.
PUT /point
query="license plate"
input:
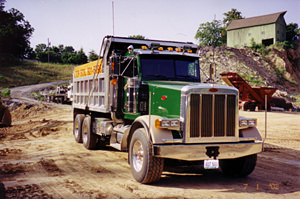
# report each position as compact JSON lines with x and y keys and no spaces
{"x":211,"y":164}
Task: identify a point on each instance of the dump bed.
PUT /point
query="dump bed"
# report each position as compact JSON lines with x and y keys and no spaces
{"x":84,"y":93}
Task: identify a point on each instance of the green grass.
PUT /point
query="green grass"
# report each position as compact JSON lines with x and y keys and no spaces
{"x":252,"y":79}
{"x":5,"y":92}
{"x":33,"y":73}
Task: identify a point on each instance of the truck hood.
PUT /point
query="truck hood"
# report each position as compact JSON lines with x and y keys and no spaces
{"x":166,"y":97}
{"x":173,"y":85}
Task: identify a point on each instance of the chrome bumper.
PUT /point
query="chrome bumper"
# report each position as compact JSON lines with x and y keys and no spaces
{"x":198,"y":151}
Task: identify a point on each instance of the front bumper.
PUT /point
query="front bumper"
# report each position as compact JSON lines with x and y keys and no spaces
{"x":192,"y":152}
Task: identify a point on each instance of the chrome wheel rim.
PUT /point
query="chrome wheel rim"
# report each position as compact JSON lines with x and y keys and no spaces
{"x":84,"y":134}
{"x":76,"y":130}
{"x":138,"y":156}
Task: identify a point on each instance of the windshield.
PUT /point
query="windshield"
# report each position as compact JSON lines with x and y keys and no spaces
{"x":174,"y":68}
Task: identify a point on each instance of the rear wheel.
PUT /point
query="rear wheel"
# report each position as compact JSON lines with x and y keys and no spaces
{"x":145,"y":168}
{"x":88,"y":137}
{"x":77,"y":128}
{"x":240,"y":167}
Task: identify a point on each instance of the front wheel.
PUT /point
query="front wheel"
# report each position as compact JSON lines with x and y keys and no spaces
{"x":145,"y":168}
{"x":240,"y":167}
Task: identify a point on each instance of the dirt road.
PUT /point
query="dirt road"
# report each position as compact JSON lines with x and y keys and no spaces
{"x":21,"y":94}
{"x":40,"y":159}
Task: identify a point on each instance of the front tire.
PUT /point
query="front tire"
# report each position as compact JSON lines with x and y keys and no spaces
{"x":145,"y":168}
{"x":240,"y":167}
{"x":88,"y":137}
{"x":77,"y":128}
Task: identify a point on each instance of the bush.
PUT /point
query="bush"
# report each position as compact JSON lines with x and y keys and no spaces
{"x":5,"y":92}
{"x":283,"y":45}
{"x":260,"y":48}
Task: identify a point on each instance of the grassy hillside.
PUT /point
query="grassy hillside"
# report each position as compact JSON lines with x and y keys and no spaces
{"x":33,"y":73}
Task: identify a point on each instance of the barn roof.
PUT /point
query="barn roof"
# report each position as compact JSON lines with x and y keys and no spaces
{"x":255,"y":21}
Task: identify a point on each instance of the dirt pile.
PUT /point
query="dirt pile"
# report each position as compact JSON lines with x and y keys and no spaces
{"x":25,"y":111}
{"x":29,"y":122}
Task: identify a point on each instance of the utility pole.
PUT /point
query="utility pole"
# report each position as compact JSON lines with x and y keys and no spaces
{"x":215,"y":71}
{"x":113,"y":17}
{"x":49,"y":50}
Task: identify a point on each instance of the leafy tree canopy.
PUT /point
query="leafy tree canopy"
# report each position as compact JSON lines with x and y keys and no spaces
{"x":92,"y":56}
{"x":233,"y":14}
{"x":213,"y":33}
{"x":60,"y":54}
{"x":137,"y":37}
{"x":15,"y":33}
{"x":210,"y":33}
{"x":291,"y":31}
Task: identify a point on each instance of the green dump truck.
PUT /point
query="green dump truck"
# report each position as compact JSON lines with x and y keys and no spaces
{"x":148,"y":100}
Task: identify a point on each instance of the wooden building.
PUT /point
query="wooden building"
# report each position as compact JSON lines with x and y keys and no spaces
{"x":266,"y":29}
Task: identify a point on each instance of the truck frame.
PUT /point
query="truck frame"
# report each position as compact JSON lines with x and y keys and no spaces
{"x":151,"y":103}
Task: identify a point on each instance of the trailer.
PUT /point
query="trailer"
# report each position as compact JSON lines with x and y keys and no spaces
{"x":250,"y":97}
{"x":145,"y":97}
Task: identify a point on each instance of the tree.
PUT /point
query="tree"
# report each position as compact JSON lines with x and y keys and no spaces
{"x":233,"y":14}
{"x":81,"y":58}
{"x":30,"y":53}
{"x":291,"y":31}
{"x":210,"y":34}
{"x":15,"y":33}
{"x":93,"y":56}
{"x":136,"y":37}
{"x":69,"y":49}
{"x":60,"y":54}
{"x":41,"y":52}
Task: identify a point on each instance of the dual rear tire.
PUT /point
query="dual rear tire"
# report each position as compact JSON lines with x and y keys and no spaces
{"x":83,"y":132}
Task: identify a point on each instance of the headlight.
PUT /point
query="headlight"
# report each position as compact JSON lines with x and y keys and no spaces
{"x":167,"y":123}
{"x":245,"y":123}
{"x":174,"y":123}
{"x":252,"y":122}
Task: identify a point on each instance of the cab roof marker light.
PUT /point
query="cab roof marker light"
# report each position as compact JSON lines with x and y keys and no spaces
{"x":178,"y":49}
{"x":170,"y":49}
{"x":144,"y":47}
{"x":160,"y":48}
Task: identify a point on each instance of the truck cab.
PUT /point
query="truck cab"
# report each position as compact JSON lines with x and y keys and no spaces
{"x":152,"y":104}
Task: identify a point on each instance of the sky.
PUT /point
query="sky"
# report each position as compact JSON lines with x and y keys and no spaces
{"x":84,"y":23}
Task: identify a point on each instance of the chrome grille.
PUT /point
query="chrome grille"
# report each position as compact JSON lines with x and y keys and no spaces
{"x":212,"y":115}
